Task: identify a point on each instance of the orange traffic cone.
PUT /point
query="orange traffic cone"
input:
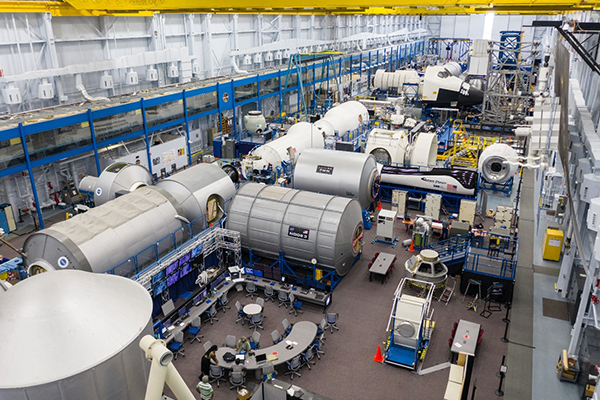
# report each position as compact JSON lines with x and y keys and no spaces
{"x":412,"y":247}
{"x":379,"y":205}
{"x":378,"y":357}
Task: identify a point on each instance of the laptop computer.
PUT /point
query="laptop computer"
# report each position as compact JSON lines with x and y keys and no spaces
{"x":240,"y":356}
{"x":260,"y":358}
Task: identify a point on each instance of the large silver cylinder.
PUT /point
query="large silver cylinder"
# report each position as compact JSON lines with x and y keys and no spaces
{"x":74,"y":336}
{"x":338,"y":173}
{"x":303,"y":225}
{"x":201,"y":191}
{"x":105,"y":236}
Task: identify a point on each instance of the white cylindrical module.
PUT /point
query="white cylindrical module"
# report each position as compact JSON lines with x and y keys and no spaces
{"x":301,"y":136}
{"x":255,"y":122}
{"x":394,"y":147}
{"x":116,"y":177}
{"x":74,"y":336}
{"x":303,"y":225}
{"x":388,"y":80}
{"x":498,"y":163}
{"x":105,"y":236}
{"x":338,"y":173}
{"x":454,"y":68}
{"x":344,"y":118}
{"x":202,"y":191}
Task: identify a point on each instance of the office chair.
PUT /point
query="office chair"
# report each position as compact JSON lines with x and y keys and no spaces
{"x":283,"y":298}
{"x":275,"y":336}
{"x":223,"y":301}
{"x":332,"y":319}
{"x":268,"y":372}
{"x":251,"y":289}
{"x":260,"y":301}
{"x":211,"y":313}
{"x":237,"y":380}
{"x":255,"y":340}
{"x":230,"y":341}
{"x":295,"y":305}
{"x":256,"y":321}
{"x":241,"y":315}
{"x":176,"y":346}
{"x":308,"y":356}
{"x":216,"y":373}
{"x":194,"y":329}
{"x":207,"y":345}
{"x":269,"y":293}
{"x":294,"y":366}
{"x":287,"y":327}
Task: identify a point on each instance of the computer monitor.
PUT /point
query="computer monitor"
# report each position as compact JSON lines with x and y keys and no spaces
{"x":171,"y":268}
{"x":158,"y":277}
{"x":185,"y":270}
{"x":241,"y":357}
{"x":159,"y":288}
{"x":276,"y":274}
{"x":213,"y":285}
{"x":171,"y":280}
{"x":268,"y":272}
{"x":196,"y":251}
{"x":166,"y":324}
{"x":185,"y":258}
{"x":182,"y":311}
{"x":203,"y":293}
{"x":197,"y":299}
{"x":168,"y":307}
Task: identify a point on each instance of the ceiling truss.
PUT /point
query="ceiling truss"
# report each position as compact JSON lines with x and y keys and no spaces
{"x":339,"y":7}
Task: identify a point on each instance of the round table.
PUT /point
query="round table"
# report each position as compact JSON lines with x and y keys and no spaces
{"x":252,"y":309}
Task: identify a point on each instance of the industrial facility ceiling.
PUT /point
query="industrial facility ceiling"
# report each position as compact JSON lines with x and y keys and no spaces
{"x":393,"y":7}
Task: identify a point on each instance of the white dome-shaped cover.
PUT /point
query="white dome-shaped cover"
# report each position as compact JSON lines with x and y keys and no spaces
{"x":76,"y":330}
{"x":498,"y":163}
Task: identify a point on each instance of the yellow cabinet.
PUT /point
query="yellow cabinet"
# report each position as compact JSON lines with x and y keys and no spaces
{"x":553,"y":240}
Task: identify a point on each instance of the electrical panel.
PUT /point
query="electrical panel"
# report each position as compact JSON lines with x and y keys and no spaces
{"x":433,"y":204}
{"x":106,"y":82}
{"x":131,"y":78}
{"x":269,"y":56}
{"x":386,"y":225}
{"x":151,"y":75}
{"x":257,"y":58}
{"x":399,"y":201}
{"x":45,"y":90}
{"x":468,"y":209}
{"x":590,"y":188}
{"x":12,"y":95}
{"x":173,"y":71}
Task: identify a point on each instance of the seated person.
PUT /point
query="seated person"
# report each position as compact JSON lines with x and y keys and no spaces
{"x":243,"y":345}
{"x":238,"y":366}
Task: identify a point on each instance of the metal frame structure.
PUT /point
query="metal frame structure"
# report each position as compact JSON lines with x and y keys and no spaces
{"x":210,"y":241}
{"x":85,"y":130}
{"x":509,"y":84}
{"x":450,"y":49}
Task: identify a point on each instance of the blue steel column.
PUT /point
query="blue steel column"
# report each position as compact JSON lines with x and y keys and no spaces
{"x":31,"y":178}
{"x":146,"y":135}
{"x":187,"y":128}
{"x":93,"y":132}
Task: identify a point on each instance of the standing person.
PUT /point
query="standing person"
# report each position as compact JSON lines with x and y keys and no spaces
{"x":205,"y":389}
{"x":444,"y":229}
{"x":207,"y":358}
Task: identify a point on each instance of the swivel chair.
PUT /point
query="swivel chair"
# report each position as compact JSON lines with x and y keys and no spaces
{"x":176,"y":346}
{"x":194,"y":329}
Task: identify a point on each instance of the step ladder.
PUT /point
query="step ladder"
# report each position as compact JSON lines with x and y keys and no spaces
{"x":448,"y":291}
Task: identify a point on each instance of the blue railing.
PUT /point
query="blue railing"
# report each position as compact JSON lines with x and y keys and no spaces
{"x":452,"y":250}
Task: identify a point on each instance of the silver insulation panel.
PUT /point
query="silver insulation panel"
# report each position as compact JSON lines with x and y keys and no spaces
{"x":303,"y":225}
{"x":338,"y":173}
